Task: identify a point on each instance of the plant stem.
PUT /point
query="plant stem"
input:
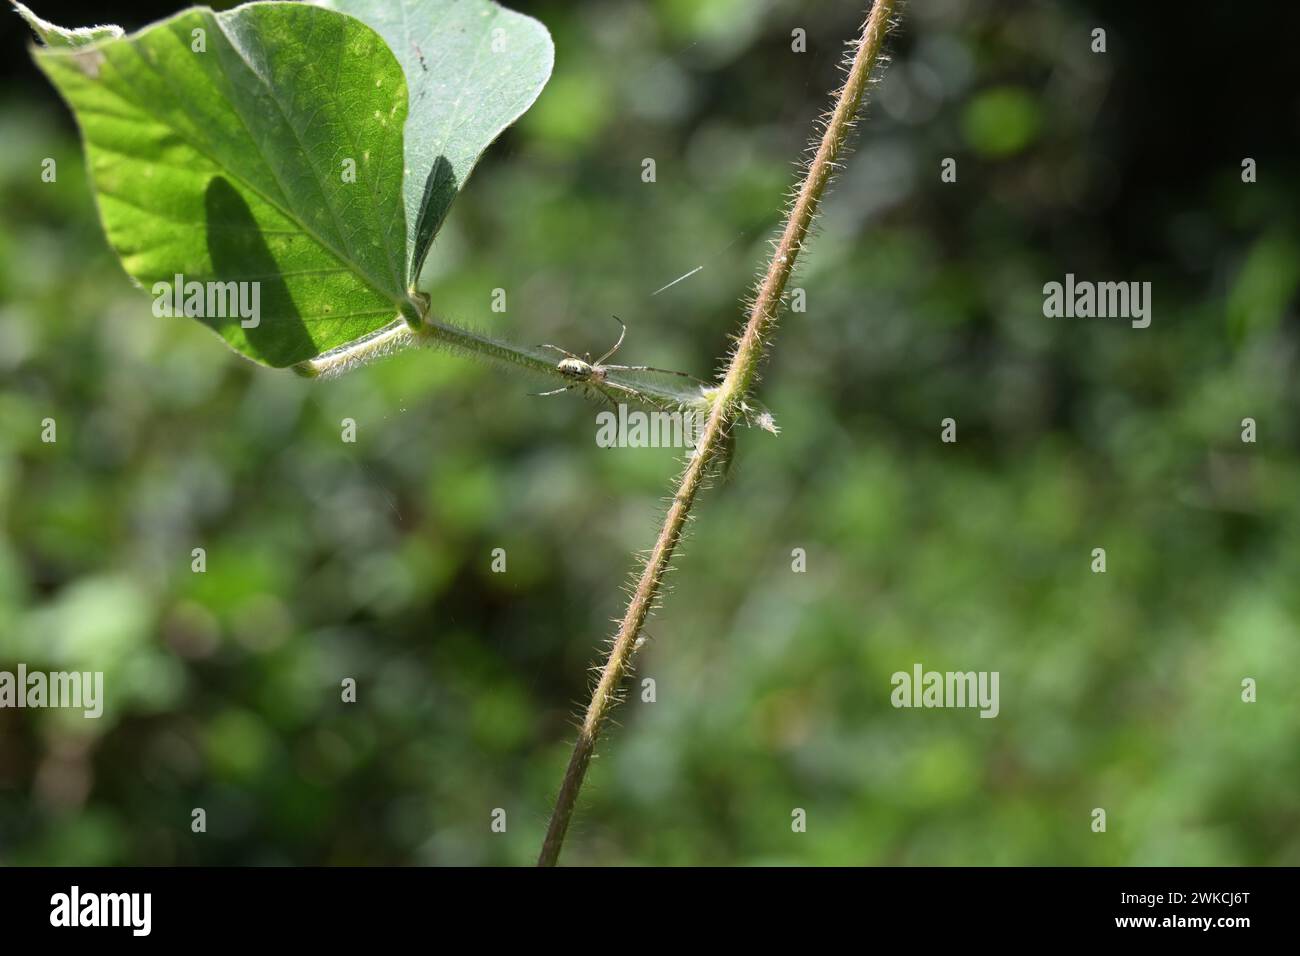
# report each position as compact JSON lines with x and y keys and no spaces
{"x":740,"y":374}
{"x":666,"y":394}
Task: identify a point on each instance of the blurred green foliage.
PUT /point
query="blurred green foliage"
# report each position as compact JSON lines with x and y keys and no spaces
{"x":372,"y":560}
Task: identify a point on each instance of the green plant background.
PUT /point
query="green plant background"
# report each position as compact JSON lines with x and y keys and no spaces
{"x":372,"y":560}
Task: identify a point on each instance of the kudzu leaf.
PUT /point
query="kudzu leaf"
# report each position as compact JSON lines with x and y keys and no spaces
{"x":472,"y":68}
{"x":217,"y":143}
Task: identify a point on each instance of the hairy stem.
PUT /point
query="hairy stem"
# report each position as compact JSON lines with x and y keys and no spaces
{"x":665,"y":393}
{"x":739,"y":376}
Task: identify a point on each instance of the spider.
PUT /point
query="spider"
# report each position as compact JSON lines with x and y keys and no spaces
{"x":584,"y":371}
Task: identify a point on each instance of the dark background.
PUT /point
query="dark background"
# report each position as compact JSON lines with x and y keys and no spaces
{"x":372,"y":560}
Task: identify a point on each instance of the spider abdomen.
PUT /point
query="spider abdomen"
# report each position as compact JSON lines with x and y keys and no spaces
{"x":574,"y":368}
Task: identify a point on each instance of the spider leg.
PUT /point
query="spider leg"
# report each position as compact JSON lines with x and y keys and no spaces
{"x":601,"y":360}
{"x":554,"y":391}
{"x":562,"y":351}
{"x":622,"y":388}
{"x":600,"y":392}
{"x":547,"y":345}
{"x":651,"y":368}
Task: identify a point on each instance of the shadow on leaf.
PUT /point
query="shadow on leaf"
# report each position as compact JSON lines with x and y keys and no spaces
{"x":239,"y":254}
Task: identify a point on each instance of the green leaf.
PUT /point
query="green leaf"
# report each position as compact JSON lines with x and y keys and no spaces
{"x":225,"y":164}
{"x":472,"y":68}
{"x":58,"y":36}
